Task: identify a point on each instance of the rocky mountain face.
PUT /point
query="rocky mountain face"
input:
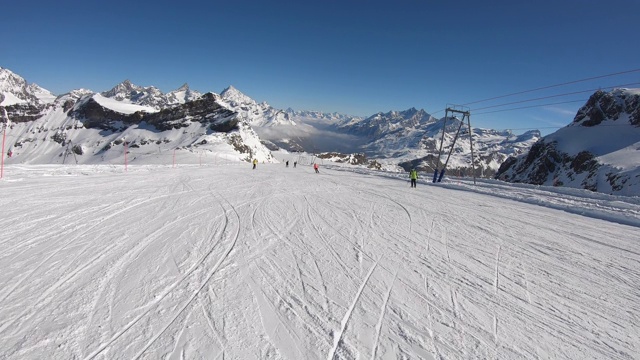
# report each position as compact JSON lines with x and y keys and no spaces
{"x":205,"y":110}
{"x":22,"y":101}
{"x":25,"y":112}
{"x":91,"y":124}
{"x":611,"y":106}
{"x":598,"y":151}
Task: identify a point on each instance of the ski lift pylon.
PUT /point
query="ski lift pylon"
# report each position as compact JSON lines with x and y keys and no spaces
{"x":466,"y":113}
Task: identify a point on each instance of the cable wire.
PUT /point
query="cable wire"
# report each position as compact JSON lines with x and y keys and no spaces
{"x":530,"y":106}
{"x":556,"y":85}
{"x":552,"y":96}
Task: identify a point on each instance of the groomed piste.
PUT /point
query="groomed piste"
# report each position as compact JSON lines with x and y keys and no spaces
{"x":226,"y":262}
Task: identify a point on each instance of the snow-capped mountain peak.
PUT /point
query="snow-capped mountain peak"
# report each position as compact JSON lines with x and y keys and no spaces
{"x":181,"y":95}
{"x":127,"y":91}
{"x":382,"y":124}
{"x":235,"y":96}
{"x":10,"y":81}
{"x":184,"y":87}
{"x":124,"y":86}
{"x":151,"y":96}
{"x":15,"y":90}
{"x":44,"y":96}
{"x":256,"y":114}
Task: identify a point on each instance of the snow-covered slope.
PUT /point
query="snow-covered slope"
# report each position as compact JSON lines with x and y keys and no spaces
{"x":120,"y":106}
{"x":225,"y":262}
{"x":599,"y":150}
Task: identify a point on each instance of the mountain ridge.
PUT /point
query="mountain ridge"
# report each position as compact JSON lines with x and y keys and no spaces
{"x":597,"y":151}
{"x":94,"y":126}
{"x":394,"y":135}
{"x":397,"y":140}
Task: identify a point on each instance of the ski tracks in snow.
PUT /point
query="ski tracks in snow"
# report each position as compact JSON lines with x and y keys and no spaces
{"x":298,"y":272}
{"x":337,"y":335}
{"x":496,"y":283}
{"x":213,"y":270}
{"x":171,"y":288}
{"x":46,"y":296}
{"x":382,"y":312}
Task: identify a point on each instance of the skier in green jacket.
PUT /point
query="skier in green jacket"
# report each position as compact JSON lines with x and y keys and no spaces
{"x":413,"y":174}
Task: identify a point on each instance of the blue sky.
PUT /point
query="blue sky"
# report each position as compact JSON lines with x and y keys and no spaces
{"x":350,"y":56}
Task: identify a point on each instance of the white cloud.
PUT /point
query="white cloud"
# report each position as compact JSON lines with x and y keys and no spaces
{"x":312,"y":138}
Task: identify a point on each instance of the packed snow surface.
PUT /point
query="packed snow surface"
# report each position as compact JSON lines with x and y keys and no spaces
{"x":226,"y":262}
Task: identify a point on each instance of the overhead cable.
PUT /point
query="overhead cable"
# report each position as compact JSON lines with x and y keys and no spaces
{"x":530,"y":106}
{"x":552,"y":96}
{"x":552,"y":86}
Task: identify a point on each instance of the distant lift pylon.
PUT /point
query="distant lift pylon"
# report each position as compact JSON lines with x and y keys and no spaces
{"x":453,"y":110}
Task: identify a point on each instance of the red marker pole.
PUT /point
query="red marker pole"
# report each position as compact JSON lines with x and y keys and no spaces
{"x":125,"y":156}
{"x":4,"y":136}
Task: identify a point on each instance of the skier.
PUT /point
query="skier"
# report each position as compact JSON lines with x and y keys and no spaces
{"x":295,"y":163}
{"x":287,"y":163}
{"x":315,"y":167}
{"x":413,"y":175}
{"x":255,"y":162}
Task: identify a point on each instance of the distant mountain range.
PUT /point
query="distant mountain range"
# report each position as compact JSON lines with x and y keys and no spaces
{"x":397,"y":140}
{"x":93,"y":126}
{"x":98,"y":128}
{"x":151,"y":96}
